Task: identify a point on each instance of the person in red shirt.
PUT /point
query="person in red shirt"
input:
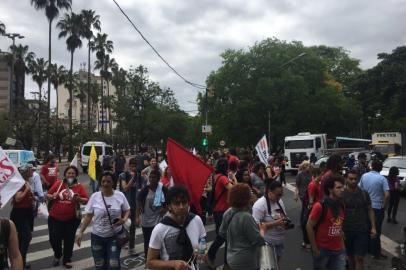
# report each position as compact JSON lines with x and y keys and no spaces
{"x":313,"y":189}
{"x":49,"y":172}
{"x":333,"y":166}
{"x":222,"y":185}
{"x":166,"y":177}
{"x":22,"y":213}
{"x":324,"y":227}
{"x":64,"y":214}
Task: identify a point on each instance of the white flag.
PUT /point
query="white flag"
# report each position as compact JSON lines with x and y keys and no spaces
{"x":163,"y":165}
{"x":10,"y":179}
{"x":262,"y":150}
{"x":74,"y":161}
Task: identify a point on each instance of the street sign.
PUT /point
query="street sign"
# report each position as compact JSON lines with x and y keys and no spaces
{"x":206,"y":129}
{"x":11,"y":141}
{"x":222,"y":143}
{"x":104,"y":121}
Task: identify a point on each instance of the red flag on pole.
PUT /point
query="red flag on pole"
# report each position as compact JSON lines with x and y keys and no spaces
{"x":188,"y":170}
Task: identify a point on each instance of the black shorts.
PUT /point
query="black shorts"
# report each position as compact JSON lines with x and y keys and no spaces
{"x":356,"y":243}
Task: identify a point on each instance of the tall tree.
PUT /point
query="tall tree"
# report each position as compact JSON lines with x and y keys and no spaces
{"x":58,"y":77}
{"x":23,"y":58}
{"x":71,"y":28}
{"x":2,"y":28}
{"x":38,"y":69}
{"x":52,"y":8}
{"x":106,"y":65}
{"x":80,"y":92}
{"x":90,"y":21}
{"x":102,"y":46}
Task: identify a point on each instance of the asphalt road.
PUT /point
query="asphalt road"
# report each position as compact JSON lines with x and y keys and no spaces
{"x":40,"y":254}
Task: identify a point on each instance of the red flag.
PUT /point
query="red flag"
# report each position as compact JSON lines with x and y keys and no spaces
{"x":188,"y":170}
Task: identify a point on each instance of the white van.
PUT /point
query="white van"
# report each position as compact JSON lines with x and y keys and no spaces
{"x":102,"y":149}
{"x":21,"y":157}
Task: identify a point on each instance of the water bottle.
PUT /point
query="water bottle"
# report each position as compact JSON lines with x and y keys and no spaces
{"x":202,"y":249}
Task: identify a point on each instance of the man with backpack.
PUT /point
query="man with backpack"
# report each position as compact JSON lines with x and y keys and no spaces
{"x":9,"y":245}
{"x":172,"y":240}
{"x":324,"y":227}
{"x":358,"y":215}
{"x":129,"y":184}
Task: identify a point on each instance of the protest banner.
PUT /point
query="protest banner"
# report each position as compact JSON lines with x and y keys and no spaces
{"x":262,"y":150}
{"x":10,"y":179}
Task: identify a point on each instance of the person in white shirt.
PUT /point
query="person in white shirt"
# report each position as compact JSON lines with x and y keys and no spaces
{"x":109,"y":210}
{"x":270,"y":211}
{"x":174,"y":240}
{"x":36,"y":184}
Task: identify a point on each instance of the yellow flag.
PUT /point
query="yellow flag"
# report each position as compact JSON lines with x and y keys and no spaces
{"x":91,"y":167}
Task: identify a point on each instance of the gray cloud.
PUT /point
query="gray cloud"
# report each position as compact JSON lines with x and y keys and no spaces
{"x":192,"y":34}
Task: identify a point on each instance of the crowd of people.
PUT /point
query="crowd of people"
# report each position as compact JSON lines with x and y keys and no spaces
{"x":341,"y":217}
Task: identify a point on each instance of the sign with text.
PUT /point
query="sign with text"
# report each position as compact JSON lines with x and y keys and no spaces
{"x":10,"y":179}
{"x":262,"y":150}
{"x":206,"y":129}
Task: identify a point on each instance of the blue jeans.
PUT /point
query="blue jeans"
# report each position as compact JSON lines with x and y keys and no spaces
{"x":106,"y":253}
{"x":329,"y":260}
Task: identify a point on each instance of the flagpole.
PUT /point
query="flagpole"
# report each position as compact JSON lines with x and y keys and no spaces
{"x":269,"y":131}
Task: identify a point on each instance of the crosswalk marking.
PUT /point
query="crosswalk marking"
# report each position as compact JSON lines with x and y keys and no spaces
{"x":47,"y":253}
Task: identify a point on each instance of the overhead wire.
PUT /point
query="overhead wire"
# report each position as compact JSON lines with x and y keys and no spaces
{"x":198,"y":86}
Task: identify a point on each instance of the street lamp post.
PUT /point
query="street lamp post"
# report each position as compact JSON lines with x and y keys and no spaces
{"x":12,"y":36}
{"x":269,"y":111}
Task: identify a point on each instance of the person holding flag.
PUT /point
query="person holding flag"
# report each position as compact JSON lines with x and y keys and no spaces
{"x":94,"y":169}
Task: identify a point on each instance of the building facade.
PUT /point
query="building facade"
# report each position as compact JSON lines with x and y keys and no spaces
{"x":4,"y":85}
{"x":99,"y":117}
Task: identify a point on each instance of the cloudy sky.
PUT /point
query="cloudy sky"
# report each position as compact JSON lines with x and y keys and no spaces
{"x":191,"y":34}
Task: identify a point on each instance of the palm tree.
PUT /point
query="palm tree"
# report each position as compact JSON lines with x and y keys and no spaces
{"x":79,"y":91}
{"x":2,"y":28}
{"x":102,"y":46}
{"x":23,"y":58}
{"x":106,"y":65}
{"x":71,"y":28}
{"x":90,"y":20}
{"x":51,"y":8}
{"x":58,"y":77}
{"x":38,"y":69}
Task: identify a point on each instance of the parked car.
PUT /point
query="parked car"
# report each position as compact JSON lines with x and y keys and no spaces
{"x":21,"y":157}
{"x":400,"y":162}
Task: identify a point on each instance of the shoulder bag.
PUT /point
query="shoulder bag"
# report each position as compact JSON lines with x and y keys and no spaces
{"x":123,"y":236}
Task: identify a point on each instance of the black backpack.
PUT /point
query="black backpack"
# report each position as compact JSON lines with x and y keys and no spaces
{"x":212,"y":200}
{"x":107,"y":164}
{"x":182,"y":240}
{"x":4,"y":237}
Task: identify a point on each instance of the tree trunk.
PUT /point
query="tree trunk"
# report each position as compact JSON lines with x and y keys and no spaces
{"x":89,"y":123}
{"x":39,"y":121}
{"x":57,"y":145}
{"x":70,"y":155}
{"x":102,"y":105}
{"x":108,"y":107}
{"x":49,"y":91}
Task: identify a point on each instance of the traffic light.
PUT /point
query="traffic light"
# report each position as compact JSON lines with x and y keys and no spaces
{"x":205,"y":142}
